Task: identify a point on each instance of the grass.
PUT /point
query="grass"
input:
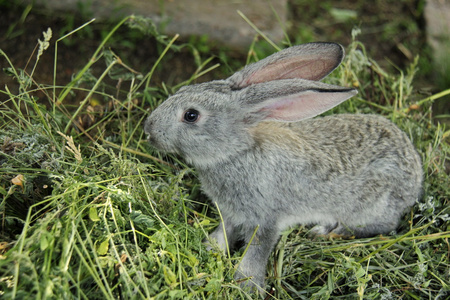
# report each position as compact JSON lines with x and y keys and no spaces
{"x":90,"y":211}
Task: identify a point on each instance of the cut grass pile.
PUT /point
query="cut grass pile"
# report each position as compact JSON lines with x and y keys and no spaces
{"x":90,"y":211}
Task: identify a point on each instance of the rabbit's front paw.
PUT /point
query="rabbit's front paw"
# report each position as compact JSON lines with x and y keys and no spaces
{"x":250,"y":283}
{"x":216,"y":240}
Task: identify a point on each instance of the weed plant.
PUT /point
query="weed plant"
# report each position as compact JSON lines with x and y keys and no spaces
{"x":90,"y":211}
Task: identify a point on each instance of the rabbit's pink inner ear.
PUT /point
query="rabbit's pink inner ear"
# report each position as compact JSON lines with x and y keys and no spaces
{"x":304,"y":105}
{"x":310,"y":68}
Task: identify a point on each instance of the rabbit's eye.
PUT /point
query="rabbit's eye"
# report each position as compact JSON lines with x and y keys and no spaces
{"x":191,"y":115}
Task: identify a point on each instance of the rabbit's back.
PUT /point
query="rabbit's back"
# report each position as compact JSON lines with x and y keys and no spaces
{"x":350,"y":143}
{"x":342,"y":144}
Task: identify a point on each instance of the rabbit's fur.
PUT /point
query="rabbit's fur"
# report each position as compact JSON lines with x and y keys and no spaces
{"x":267,"y":165}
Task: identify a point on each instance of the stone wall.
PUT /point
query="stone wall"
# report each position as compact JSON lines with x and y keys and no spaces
{"x":437,"y":17}
{"x":216,"y":18}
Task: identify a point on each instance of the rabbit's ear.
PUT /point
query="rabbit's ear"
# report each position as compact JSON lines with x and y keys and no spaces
{"x":311,"y":61}
{"x":290,"y":100}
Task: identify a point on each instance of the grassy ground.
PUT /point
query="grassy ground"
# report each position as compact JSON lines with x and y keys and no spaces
{"x":90,"y":211}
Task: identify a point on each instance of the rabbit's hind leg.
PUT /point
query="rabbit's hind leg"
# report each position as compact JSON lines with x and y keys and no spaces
{"x":363,"y":231}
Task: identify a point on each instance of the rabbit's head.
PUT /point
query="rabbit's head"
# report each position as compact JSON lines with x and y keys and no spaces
{"x":209,"y":122}
{"x":200,"y":122}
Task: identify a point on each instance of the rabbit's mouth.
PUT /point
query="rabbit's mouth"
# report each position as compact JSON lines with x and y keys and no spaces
{"x":158,"y":145}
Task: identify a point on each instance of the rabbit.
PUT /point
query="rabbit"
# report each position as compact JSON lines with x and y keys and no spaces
{"x":267,"y":164}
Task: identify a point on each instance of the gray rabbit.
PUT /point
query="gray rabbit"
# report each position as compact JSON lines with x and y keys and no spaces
{"x":268,"y":165}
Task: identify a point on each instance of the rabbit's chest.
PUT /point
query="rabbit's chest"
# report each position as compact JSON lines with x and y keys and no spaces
{"x":247,"y":192}
{"x":231,"y":190}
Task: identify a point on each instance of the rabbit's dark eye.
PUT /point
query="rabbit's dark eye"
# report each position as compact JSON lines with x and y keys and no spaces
{"x":191,"y":115}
